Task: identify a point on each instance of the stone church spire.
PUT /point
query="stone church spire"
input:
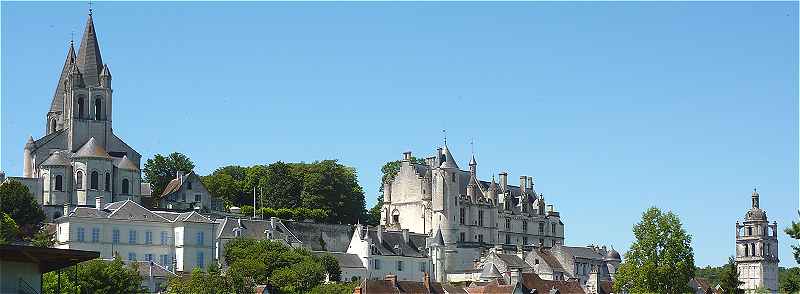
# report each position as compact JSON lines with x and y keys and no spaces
{"x":57,"y":105}
{"x":88,"y":59}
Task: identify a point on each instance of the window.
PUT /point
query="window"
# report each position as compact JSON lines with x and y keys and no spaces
{"x":81,"y":234}
{"x":749,"y":231}
{"x":132,"y":237}
{"x":753,"y":249}
{"x":79,"y":180}
{"x":524,"y":240}
{"x":480,"y":218}
{"x":508,"y":223}
{"x":453,"y":177}
{"x":53,"y":126}
{"x":189,"y":185}
{"x":164,"y":260}
{"x":200,"y":238}
{"x":524,"y":226}
{"x":399,"y":265}
{"x":554,"y":228}
{"x":423,"y":267}
{"x":131,"y":256}
{"x":462,"y":217}
{"x":59,"y":183}
{"x":508,"y":239}
{"x":108,"y":182}
{"x":163,"y":238}
{"x":480,"y":238}
{"x":200,"y":259}
{"x":97,"y":109}
{"x":148,"y":237}
{"x":115,"y":236}
{"x":95,"y":235}
{"x":148,"y":257}
{"x":197,"y":197}
{"x":377,"y":264}
{"x":125,"y":186}
{"x":80,"y":107}
{"x":541,"y":228}
{"x":93,"y":182}
{"x":462,"y":237}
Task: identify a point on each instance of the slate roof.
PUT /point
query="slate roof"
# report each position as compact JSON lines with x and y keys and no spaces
{"x":346,"y":260}
{"x":59,"y":158}
{"x":493,"y":287}
{"x":449,"y":161}
{"x":490,"y":271}
{"x":393,"y":244}
{"x":384,"y":286}
{"x":513,"y":261}
{"x":533,"y":281}
{"x":583,"y":252}
{"x":255,"y":229}
{"x":550,"y":260}
{"x":125,"y":163}
{"x":132,"y":211}
{"x":92,"y":149}
{"x":144,"y":269}
{"x":175,"y":184}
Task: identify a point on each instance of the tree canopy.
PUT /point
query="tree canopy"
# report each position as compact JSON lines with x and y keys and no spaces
{"x":729,"y":278}
{"x":661,"y":259}
{"x":95,"y":276}
{"x":160,"y":169}
{"x":794,"y":232}
{"x":17,"y":201}
{"x":326,"y":185}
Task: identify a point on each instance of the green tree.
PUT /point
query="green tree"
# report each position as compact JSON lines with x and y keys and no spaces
{"x":43,"y":239}
{"x":292,"y":270}
{"x":331,"y":266}
{"x":228,"y":183}
{"x":660,"y":260}
{"x":709,"y":273}
{"x":335,"y":288}
{"x":19,"y":203}
{"x":794,"y":232}
{"x":95,"y":276}
{"x":281,"y":186}
{"x":159,"y":170}
{"x":210,"y":282}
{"x":9,"y":231}
{"x":389,"y":170}
{"x":789,"y":280}
{"x":729,"y":278}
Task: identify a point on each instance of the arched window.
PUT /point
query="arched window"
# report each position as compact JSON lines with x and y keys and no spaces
{"x":108,"y":182}
{"x":53,"y":125}
{"x":80,"y":106}
{"x":125,"y":186}
{"x":395,"y":216}
{"x":59,"y":183}
{"x":753,"y":249}
{"x":98,"y":110}
{"x":749,"y":231}
{"x":93,"y":183}
{"x":79,"y":180}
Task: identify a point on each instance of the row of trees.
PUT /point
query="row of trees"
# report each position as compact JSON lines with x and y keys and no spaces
{"x":661,"y":260}
{"x":264,"y":262}
{"x":326,"y":185}
{"x":302,"y":213}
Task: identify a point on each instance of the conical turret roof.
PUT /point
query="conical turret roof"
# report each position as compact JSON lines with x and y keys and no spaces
{"x":56,"y":159}
{"x":490,"y":271}
{"x":448,"y":162}
{"x":437,"y":239}
{"x":127,"y":164}
{"x":88,"y":58}
{"x":57,"y":105}
{"x":92,"y":149}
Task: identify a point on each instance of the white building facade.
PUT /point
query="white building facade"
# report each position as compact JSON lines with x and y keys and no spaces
{"x":399,"y":253}
{"x":757,"y":249}
{"x":176,"y":241}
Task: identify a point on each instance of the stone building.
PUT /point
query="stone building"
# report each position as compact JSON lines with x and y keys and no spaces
{"x":757,"y":249}
{"x":473,"y":214}
{"x":186,"y":192}
{"x":80,"y":158}
{"x":402,"y":254}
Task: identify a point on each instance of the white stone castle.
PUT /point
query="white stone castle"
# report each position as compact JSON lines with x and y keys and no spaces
{"x":757,"y":249}
{"x":473,"y":215}
{"x":80,"y":158}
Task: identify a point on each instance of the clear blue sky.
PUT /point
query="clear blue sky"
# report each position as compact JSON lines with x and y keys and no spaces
{"x":612,"y":107}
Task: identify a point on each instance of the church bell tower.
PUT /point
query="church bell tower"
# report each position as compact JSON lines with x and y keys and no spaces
{"x":757,"y":249}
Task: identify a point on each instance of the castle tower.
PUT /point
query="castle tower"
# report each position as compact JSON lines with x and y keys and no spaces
{"x":757,"y":249}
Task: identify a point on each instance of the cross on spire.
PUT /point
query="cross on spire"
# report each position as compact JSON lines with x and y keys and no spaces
{"x":444,"y":132}
{"x":472,"y":146}
{"x":90,"y":7}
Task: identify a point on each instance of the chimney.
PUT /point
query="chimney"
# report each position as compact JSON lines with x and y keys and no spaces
{"x":392,"y":279}
{"x":405,"y":236}
{"x":407,"y":156}
{"x":379,"y":233}
{"x":427,"y":282}
{"x":530,"y":183}
{"x":594,"y":280}
{"x":504,"y":181}
{"x":98,"y":202}
{"x":179,"y":176}
{"x":523,"y":184}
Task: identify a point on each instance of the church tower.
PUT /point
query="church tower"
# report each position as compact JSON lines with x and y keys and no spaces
{"x":757,"y":249}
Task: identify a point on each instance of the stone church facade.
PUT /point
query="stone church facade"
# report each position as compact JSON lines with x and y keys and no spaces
{"x":757,"y":249}
{"x":473,"y":215}
{"x":80,"y":158}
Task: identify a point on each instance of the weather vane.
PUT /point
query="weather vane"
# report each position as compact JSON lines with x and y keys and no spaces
{"x":90,"y":7}
{"x":444,"y":133}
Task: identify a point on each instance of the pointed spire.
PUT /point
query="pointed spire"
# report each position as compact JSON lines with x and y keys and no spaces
{"x":448,"y":162}
{"x":57,"y":105}
{"x":88,"y":58}
{"x":472,"y":162}
{"x":106,"y":72}
{"x":437,"y":239}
